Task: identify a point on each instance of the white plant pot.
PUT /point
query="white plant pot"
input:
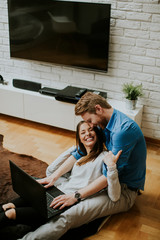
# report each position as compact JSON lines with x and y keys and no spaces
{"x":131,"y":104}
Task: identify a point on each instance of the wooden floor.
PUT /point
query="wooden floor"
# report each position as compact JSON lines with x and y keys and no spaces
{"x":46,"y":143}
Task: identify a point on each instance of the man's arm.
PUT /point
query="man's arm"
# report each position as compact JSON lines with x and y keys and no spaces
{"x":124,"y":140}
{"x":69,"y":199}
{"x":114,"y":189}
{"x":77,"y":153}
{"x":94,"y":187}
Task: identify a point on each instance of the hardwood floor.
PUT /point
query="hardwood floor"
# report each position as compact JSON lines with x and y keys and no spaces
{"x":46,"y":143}
{"x":41,"y":141}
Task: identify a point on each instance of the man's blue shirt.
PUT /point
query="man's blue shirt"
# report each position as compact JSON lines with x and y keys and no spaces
{"x":122,"y":133}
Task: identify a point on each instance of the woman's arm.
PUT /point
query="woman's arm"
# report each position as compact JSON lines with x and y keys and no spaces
{"x":59,"y":161}
{"x":114,"y":187}
{"x":64,"y":168}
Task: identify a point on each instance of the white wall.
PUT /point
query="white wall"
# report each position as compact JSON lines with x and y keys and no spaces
{"x":134,"y":56}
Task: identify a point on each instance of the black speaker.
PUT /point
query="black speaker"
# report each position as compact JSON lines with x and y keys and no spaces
{"x":27,"y":85}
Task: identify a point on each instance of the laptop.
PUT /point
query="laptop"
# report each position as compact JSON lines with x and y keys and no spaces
{"x":33,"y":192}
{"x":49,"y":91}
{"x":70,"y":94}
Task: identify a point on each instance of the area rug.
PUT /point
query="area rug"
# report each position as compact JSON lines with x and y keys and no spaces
{"x":31,"y":165}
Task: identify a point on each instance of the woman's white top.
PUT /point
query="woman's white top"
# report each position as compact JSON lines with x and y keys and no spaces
{"x":82,"y":176}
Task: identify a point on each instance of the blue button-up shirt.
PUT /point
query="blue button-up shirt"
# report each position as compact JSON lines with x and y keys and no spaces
{"x":122,"y":133}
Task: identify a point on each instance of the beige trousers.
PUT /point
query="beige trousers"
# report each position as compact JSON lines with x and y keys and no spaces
{"x":84,"y":212}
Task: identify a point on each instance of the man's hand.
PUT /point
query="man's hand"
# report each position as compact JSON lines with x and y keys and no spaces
{"x":64,"y":200}
{"x":110,"y":159}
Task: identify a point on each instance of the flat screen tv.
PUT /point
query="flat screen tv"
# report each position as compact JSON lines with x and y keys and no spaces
{"x":67,"y":33}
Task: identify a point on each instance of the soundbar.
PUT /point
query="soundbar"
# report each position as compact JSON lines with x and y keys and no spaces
{"x":27,"y":85}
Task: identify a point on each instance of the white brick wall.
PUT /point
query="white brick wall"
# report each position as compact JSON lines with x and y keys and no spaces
{"x":134,"y":56}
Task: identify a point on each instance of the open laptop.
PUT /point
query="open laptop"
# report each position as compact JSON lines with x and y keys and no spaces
{"x":33,"y":192}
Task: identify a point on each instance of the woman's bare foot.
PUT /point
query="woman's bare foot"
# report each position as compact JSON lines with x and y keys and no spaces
{"x":11,"y":213}
{"x":7,"y":206}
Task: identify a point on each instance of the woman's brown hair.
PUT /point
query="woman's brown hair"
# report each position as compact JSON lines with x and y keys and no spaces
{"x":97,"y":149}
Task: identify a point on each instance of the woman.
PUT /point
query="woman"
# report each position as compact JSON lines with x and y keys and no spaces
{"x":78,"y":185}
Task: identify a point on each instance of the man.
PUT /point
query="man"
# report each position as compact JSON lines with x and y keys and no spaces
{"x":121,"y":133}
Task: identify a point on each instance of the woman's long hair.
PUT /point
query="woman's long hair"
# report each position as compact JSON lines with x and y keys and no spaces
{"x":97,"y":149}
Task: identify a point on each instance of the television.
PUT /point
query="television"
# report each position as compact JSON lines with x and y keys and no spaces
{"x":68,"y":33}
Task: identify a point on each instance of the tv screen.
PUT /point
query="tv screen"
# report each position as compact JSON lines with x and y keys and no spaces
{"x":66,"y":33}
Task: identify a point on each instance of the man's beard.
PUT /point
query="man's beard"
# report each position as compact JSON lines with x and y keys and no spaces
{"x":103,"y":123}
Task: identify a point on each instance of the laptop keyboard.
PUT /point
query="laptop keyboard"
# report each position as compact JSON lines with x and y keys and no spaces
{"x":49,"y":199}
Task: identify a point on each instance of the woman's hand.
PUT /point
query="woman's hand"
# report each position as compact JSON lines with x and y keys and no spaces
{"x":110,"y":159}
{"x":47,"y":181}
{"x":64,"y":200}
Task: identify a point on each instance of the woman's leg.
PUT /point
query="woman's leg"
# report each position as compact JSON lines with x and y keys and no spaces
{"x":20,"y":212}
{"x":4,"y":207}
{"x":29,"y":216}
{"x":14,"y":203}
{"x":7,"y":212}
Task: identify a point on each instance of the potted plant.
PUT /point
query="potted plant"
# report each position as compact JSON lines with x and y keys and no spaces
{"x":131,"y":94}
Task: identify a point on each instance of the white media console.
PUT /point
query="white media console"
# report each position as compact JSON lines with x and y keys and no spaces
{"x":45,"y":109}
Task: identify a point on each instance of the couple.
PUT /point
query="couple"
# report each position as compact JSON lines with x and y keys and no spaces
{"x":119,"y":133}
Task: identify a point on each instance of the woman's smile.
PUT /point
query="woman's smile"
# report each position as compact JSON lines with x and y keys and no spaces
{"x":87,"y":136}
{"x":89,"y":139}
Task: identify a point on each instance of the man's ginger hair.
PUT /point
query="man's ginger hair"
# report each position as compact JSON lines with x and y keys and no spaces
{"x":88,"y":102}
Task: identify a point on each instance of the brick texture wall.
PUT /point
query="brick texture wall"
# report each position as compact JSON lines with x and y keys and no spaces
{"x":134,"y":57}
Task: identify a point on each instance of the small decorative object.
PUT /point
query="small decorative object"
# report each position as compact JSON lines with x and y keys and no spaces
{"x":2,"y":80}
{"x":131,"y":94}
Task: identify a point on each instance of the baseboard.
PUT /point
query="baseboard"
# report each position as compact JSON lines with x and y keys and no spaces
{"x":153,"y":141}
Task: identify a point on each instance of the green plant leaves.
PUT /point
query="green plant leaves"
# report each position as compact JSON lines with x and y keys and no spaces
{"x":132,"y":92}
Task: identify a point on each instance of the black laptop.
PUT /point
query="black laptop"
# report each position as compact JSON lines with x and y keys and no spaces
{"x":33,"y":192}
{"x":70,"y":94}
